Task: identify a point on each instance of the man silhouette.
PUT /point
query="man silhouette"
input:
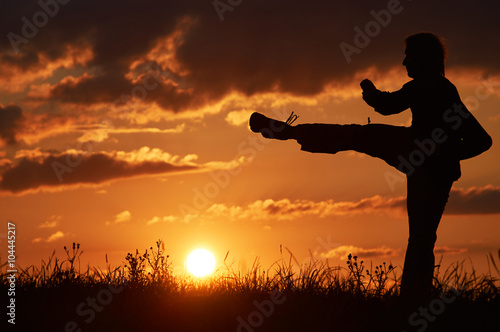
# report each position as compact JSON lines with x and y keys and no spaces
{"x":442,"y":133}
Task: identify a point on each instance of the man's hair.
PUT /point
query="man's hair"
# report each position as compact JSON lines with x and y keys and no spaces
{"x":430,"y":48}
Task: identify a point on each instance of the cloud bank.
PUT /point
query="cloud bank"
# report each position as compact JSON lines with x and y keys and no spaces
{"x":341,"y":252}
{"x":60,"y":170}
{"x":475,"y":200}
{"x":180,"y":55}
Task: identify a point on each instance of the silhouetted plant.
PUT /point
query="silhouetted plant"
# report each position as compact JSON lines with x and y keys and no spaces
{"x":158,"y":263}
{"x":380,"y":277}
{"x":317,"y":277}
{"x":355,"y":278}
{"x":136,"y":267}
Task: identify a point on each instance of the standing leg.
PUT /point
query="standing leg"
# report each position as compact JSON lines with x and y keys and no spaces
{"x":426,"y":200}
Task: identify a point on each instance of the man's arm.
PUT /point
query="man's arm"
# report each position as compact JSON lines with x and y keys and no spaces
{"x":385,"y":103}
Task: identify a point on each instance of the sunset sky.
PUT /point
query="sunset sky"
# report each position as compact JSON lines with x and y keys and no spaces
{"x":125,"y":122}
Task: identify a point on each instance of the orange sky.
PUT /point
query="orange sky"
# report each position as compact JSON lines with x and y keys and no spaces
{"x":120,"y":127}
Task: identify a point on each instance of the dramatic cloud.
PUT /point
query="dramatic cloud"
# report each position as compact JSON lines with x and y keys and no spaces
{"x":32,"y":128}
{"x":54,"y":237}
{"x":11,"y":120}
{"x":36,"y":169}
{"x":475,"y":200}
{"x":121,"y":217}
{"x":483,"y":200}
{"x":100,"y":133}
{"x":185,"y":54}
{"x":285,"y":209}
{"x":18,"y":126}
{"x":157,"y":219}
{"x":449,"y":251}
{"x":341,"y":252}
{"x":76,"y":167}
{"x":51,"y":222}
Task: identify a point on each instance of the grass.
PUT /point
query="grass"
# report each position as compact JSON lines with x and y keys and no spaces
{"x":145,"y":295}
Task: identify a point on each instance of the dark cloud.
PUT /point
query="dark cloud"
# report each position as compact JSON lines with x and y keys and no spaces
{"x":342,"y":252}
{"x":449,"y":251}
{"x":367,"y":205}
{"x":260,"y":46}
{"x":70,"y":169}
{"x":11,"y":121}
{"x":475,"y":200}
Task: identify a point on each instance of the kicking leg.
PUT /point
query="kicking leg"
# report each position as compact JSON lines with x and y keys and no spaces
{"x":377,"y":140}
{"x":388,"y":143}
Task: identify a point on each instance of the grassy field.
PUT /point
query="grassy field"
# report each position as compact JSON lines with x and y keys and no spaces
{"x":144,"y":295}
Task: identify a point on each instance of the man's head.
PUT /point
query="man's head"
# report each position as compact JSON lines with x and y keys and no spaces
{"x":425,"y":55}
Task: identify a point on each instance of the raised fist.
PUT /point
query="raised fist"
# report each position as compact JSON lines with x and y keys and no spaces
{"x":367,"y":85}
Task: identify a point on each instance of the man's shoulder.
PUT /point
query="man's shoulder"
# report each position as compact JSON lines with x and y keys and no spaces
{"x":449,"y":88}
{"x":441,"y":84}
{"x":447,"y":83}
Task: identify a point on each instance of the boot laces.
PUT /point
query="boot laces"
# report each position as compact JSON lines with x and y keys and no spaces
{"x":291,"y":119}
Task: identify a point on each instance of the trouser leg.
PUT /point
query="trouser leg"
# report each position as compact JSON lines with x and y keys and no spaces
{"x":377,"y":140}
{"x":426,"y":200}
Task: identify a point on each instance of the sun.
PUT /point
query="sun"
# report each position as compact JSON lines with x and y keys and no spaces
{"x":200,"y":262}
